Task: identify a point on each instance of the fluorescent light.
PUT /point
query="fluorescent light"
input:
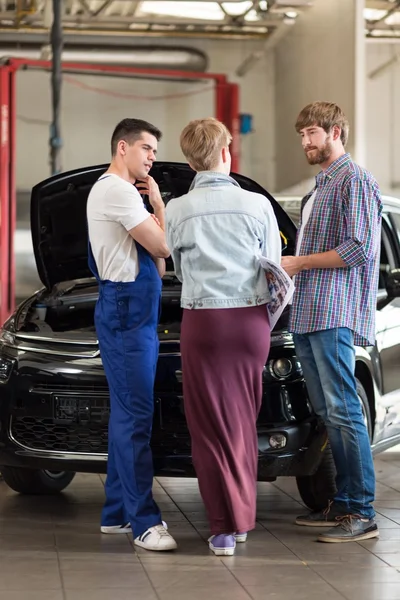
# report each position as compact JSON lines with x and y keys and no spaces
{"x":385,"y":33}
{"x":373,"y":14}
{"x":394,"y":19}
{"x":252,"y":16}
{"x":210,"y":11}
{"x":249,"y":29}
{"x":237,"y":8}
{"x":292,"y":3}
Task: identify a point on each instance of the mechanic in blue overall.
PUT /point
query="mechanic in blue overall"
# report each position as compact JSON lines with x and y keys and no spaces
{"x":127,"y":251}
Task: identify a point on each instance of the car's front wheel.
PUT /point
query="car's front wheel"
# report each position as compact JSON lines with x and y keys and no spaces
{"x":316,"y":490}
{"x":36,"y":482}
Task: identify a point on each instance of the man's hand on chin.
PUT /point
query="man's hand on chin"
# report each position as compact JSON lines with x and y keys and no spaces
{"x":293,"y":264}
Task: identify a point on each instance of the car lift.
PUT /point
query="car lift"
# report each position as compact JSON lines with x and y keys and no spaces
{"x":226,"y":110}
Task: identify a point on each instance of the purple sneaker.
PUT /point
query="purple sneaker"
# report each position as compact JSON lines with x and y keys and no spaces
{"x":223,"y":544}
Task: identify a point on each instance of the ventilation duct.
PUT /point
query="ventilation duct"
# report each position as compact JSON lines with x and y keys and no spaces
{"x":147,"y":57}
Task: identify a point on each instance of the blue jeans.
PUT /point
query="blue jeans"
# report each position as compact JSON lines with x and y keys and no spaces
{"x":328,"y":362}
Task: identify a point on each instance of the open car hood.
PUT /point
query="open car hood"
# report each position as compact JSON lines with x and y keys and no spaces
{"x":58,"y":216}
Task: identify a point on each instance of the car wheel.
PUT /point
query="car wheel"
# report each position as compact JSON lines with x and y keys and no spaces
{"x":316,"y":490}
{"x":366,"y":412}
{"x":36,"y":482}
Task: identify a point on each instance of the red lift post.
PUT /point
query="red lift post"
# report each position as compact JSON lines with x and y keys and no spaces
{"x":226,"y":110}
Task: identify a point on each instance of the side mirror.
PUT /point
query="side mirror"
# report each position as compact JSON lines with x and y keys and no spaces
{"x":393,"y":284}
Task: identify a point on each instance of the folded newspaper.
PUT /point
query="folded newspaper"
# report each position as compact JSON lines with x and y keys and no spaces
{"x":281,"y":288}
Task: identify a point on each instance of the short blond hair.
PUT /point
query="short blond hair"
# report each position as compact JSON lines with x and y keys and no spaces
{"x":202,"y":141}
{"x":325,"y":115}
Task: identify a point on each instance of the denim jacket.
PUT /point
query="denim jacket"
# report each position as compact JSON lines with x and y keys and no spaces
{"x":216,"y":234}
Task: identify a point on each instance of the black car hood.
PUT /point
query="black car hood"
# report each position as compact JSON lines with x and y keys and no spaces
{"x":58,"y":216}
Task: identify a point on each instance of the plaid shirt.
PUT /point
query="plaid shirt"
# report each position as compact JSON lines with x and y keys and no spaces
{"x":346,"y":217}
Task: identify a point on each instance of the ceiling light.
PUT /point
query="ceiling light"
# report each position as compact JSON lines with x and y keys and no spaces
{"x":293,"y":3}
{"x":394,"y":19}
{"x":210,"y":11}
{"x":291,"y":14}
{"x":165,"y":27}
{"x":263,"y":4}
{"x":138,"y":26}
{"x":253,"y":15}
{"x":237,"y":8}
{"x":384,"y":33}
{"x":374,"y":14}
{"x":249,"y":29}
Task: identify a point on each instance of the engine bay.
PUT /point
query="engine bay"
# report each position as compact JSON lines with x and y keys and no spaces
{"x":69,"y":308}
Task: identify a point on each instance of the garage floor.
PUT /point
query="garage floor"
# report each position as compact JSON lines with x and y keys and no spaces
{"x":51,"y":549}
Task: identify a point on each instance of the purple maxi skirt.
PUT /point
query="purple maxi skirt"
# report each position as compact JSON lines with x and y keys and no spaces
{"x":223,"y":355}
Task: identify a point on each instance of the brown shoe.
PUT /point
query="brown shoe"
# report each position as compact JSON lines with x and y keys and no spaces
{"x":322,"y":518}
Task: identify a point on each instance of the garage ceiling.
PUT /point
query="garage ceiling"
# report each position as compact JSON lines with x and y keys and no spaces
{"x":178,"y":18}
{"x":207,"y":18}
{"x":382,"y":18}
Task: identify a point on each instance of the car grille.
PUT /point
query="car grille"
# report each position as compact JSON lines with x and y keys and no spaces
{"x":43,"y":434}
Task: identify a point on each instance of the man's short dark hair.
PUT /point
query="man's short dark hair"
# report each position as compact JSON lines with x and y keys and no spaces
{"x":131,"y":130}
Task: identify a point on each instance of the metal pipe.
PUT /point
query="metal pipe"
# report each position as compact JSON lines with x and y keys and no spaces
{"x":56,"y":39}
{"x":145,"y":56}
{"x":384,"y":67}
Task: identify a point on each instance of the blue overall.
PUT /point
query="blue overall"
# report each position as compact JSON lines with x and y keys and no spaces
{"x":126,"y":318}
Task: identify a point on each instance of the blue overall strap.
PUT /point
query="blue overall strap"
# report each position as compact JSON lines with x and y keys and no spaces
{"x":92,"y":262}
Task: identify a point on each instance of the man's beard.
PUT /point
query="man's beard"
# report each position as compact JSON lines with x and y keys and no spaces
{"x":320,"y":155}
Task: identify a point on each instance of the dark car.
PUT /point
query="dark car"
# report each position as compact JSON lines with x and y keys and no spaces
{"x":54,"y":401}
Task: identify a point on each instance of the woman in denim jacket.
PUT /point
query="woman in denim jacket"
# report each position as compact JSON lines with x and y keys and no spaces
{"x":216,"y":234}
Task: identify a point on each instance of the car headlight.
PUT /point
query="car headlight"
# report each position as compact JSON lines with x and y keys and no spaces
{"x":6,"y":366}
{"x":6,"y":337}
{"x":280,"y":368}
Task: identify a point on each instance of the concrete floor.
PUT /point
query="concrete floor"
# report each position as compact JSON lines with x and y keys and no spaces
{"x":51,"y":549}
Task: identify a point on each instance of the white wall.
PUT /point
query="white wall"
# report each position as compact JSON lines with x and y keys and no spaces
{"x":315,"y":61}
{"x":88,"y":117}
{"x":383,"y":117}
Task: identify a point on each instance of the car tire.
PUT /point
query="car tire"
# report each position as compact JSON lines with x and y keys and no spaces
{"x":316,"y":490}
{"x":366,"y":411}
{"x":36,"y":482}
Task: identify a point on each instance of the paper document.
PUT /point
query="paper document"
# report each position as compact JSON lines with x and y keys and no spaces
{"x":281,"y":288}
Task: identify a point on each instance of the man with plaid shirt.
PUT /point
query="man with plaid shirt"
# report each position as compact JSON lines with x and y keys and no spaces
{"x":336,"y":271}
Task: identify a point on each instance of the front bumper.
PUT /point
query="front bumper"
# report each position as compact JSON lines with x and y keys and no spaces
{"x":300,"y":457}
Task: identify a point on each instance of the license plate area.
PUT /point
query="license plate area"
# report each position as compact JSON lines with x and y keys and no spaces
{"x":81,"y":409}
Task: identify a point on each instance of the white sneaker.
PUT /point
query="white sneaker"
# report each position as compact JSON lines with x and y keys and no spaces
{"x":156,"y":538}
{"x":116,"y":528}
{"x":121,"y":528}
{"x":241,"y":537}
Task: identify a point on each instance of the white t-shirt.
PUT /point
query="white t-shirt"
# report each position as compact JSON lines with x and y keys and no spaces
{"x":114,"y":207}
{"x":304,"y":219}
